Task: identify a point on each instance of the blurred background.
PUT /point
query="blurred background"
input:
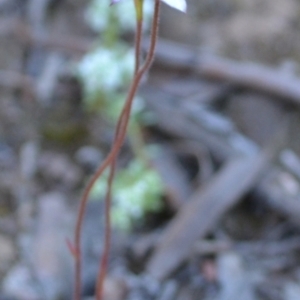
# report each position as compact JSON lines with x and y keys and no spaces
{"x":206,"y":200}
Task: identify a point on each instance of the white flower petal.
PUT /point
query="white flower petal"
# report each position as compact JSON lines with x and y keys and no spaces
{"x":178,"y":4}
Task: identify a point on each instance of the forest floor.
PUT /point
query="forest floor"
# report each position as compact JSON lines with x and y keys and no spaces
{"x":224,"y":94}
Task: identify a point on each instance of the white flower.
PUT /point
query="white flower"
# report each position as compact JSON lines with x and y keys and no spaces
{"x":98,"y":15}
{"x":178,"y":4}
{"x":104,"y":71}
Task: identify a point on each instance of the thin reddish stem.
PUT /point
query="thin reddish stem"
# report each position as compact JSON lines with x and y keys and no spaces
{"x":108,"y":201}
{"x":138,"y":39}
{"x":107,"y":238}
{"x":113,"y":152}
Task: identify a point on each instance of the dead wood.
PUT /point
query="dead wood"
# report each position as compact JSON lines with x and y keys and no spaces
{"x":279,"y":199}
{"x":176,"y":185}
{"x":207,"y":205}
{"x":22,"y":32}
{"x":224,"y":143}
{"x":15,"y":80}
{"x":249,"y":75}
{"x":261,"y":247}
{"x":224,"y":147}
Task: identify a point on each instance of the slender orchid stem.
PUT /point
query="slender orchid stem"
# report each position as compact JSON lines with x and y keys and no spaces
{"x":139,"y":14}
{"x":107,"y":238}
{"x":111,"y":157}
{"x":107,"y":229}
{"x":139,"y":29}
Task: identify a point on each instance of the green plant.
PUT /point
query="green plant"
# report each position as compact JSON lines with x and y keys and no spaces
{"x":137,"y":190}
{"x":121,"y":129}
{"x":105,"y":72}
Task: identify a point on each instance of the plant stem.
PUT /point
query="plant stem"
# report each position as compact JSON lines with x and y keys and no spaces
{"x":137,"y":142}
{"x":111,"y":32}
{"x":107,"y":238}
{"x":111,"y":157}
{"x":139,"y":30}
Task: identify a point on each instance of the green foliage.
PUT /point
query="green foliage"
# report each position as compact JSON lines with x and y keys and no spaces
{"x":99,"y":15}
{"x":106,"y":71}
{"x":137,"y":191}
{"x":177,"y":4}
{"x":105,"y":74}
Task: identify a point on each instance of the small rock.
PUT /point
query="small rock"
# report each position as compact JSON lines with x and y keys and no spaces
{"x":7,"y":252}
{"x":114,"y":289}
{"x":291,"y":291}
{"x":57,"y":168}
{"x":7,"y":156}
{"x":19,"y":284}
{"x":89,"y":157}
{"x":50,"y":257}
{"x":236,"y":282}
{"x":169,"y":290}
{"x":28,"y":159}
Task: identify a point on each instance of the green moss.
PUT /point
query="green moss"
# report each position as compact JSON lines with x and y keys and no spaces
{"x":64,"y":134}
{"x":137,"y":190}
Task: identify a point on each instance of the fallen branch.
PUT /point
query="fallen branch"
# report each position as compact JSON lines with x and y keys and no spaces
{"x":207,"y":205}
{"x":22,"y":32}
{"x":242,"y":74}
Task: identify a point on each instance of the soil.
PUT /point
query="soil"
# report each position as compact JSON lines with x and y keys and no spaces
{"x":229,"y":155}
